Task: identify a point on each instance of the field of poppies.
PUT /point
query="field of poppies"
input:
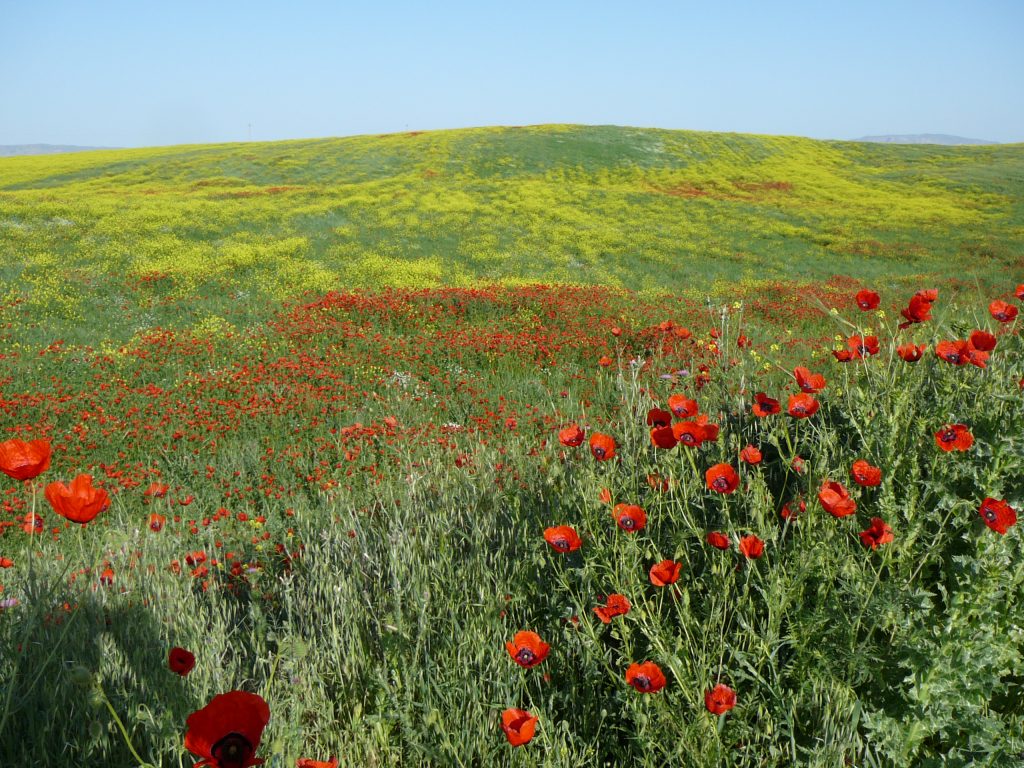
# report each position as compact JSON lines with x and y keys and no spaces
{"x":770,"y":522}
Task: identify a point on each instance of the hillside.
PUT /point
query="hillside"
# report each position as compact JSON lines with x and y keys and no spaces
{"x":635,"y":208}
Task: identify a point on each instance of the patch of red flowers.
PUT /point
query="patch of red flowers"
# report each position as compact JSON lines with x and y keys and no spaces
{"x":954,"y":437}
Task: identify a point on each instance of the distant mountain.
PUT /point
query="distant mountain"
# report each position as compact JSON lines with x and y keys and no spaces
{"x":923,"y":138}
{"x":10,"y":150}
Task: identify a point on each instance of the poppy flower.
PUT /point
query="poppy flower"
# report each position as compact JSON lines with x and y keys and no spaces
{"x":518,"y":725}
{"x":719,"y":699}
{"x":615,"y":605}
{"x":605,"y":361}
{"x":811,"y":383}
{"x":616,"y":331}
{"x":682,"y":407}
{"x":954,"y":437}
{"x":23,"y":460}
{"x":1001,"y":311}
{"x":527,"y":649}
{"x":605,"y":496}
{"x":722,"y":478}
{"x":953,"y":352}
{"x":78,"y":502}
{"x":911,"y":353}
{"x":646,"y":677}
{"x":802,"y":405}
{"x":751,"y":455}
{"x":571,"y":436}
{"x":751,"y":547}
{"x":718,"y":540}
{"x":982,"y":341}
{"x":602,"y":446}
{"x":562,"y":538}
{"x":227,"y":731}
{"x":843,"y":355}
{"x":877,"y":534}
{"x":997,"y":515}
{"x":658,"y":417}
{"x":156,"y":522}
{"x":6,"y":562}
{"x":862,"y":346}
{"x":835,"y":499}
{"x":664,"y":573}
{"x":1020,"y":292}
{"x":663,"y":437}
{"x":765,"y":406}
{"x":791,"y":512}
{"x":32,"y":523}
{"x":920,"y":307}
{"x":865,"y":474}
{"x":629,"y":517}
{"x":157,"y":490}
{"x":867,"y":300}
{"x":180,"y":661}
{"x":305,"y":762}
{"x":689,"y":433}
{"x":681,"y":333}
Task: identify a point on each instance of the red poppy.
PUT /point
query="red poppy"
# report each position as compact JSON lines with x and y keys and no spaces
{"x":32,"y":523}
{"x":305,"y":762}
{"x":811,"y":383}
{"x":722,"y":478}
{"x":689,"y":433}
{"x":562,"y":538}
{"x":646,"y":677}
{"x":865,"y":474}
{"x":765,"y":406}
{"x":527,"y":649}
{"x":571,"y":436}
{"x":605,"y":496}
{"x":982,"y":341}
{"x":629,"y":517}
{"x":843,"y":355}
{"x":1020,"y":292}
{"x":719,"y":699}
{"x":602,"y":446}
{"x":802,"y":405}
{"x":663,"y":437}
{"x":605,"y":361}
{"x":25,"y":460}
{"x":616,"y":331}
{"x":157,"y":490}
{"x":518,"y":725}
{"x":862,"y":346}
{"x":953,"y":352}
{"x":718,"y":540}
{"x":658,"y":417}
{"x":227,"y":731}
{"x":156,"y":522}
{"x":664,"y":573}
{"x":867,"y":300}
{"x":789,"y":512}
{"x":682,"y":407}
{"x":836,"y":499}
{"x":751,"y":455}
{"x":751,"y":547}
{"x":997,"y":515}
{"x":78,"y":502}
{"x":1001,"y":311}
{"x":911,"y":353}
{"x":920,"y":308}
{"x":681,"y":333}
{"x":615,"y":605}
{"x":954,"y":437}
{"x":180,"y":661}
{"x":877,"y":534}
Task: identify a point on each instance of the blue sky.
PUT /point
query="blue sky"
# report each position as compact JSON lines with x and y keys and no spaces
{"x":143,"y":74}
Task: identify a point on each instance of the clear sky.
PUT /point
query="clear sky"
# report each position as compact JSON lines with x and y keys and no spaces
{"x":142,"y":73}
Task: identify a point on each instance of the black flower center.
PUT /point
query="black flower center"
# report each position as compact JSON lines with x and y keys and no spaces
{"x":232,"y":751}
{"x":562,"y":544}
{"x":642,"y":683}
{"x":949,"y":436}
{"x":599,"y":452}
{"x":720,"y":484}
{"x":525,"y":656}
{"x":989,"y":514}
{"x":627,"y":522}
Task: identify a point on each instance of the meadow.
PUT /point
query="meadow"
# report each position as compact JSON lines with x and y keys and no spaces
{"x":555,"y":445}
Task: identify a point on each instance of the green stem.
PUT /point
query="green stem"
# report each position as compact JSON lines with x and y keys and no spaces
{"x":120,"y":727}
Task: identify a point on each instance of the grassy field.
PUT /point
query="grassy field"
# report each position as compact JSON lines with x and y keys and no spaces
{"x":328,"y":389}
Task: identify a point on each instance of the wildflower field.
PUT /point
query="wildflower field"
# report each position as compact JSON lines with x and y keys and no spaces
{"x":544,"y":446}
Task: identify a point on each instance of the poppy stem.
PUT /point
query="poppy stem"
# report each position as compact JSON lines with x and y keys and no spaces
{"x":120,"y":727}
